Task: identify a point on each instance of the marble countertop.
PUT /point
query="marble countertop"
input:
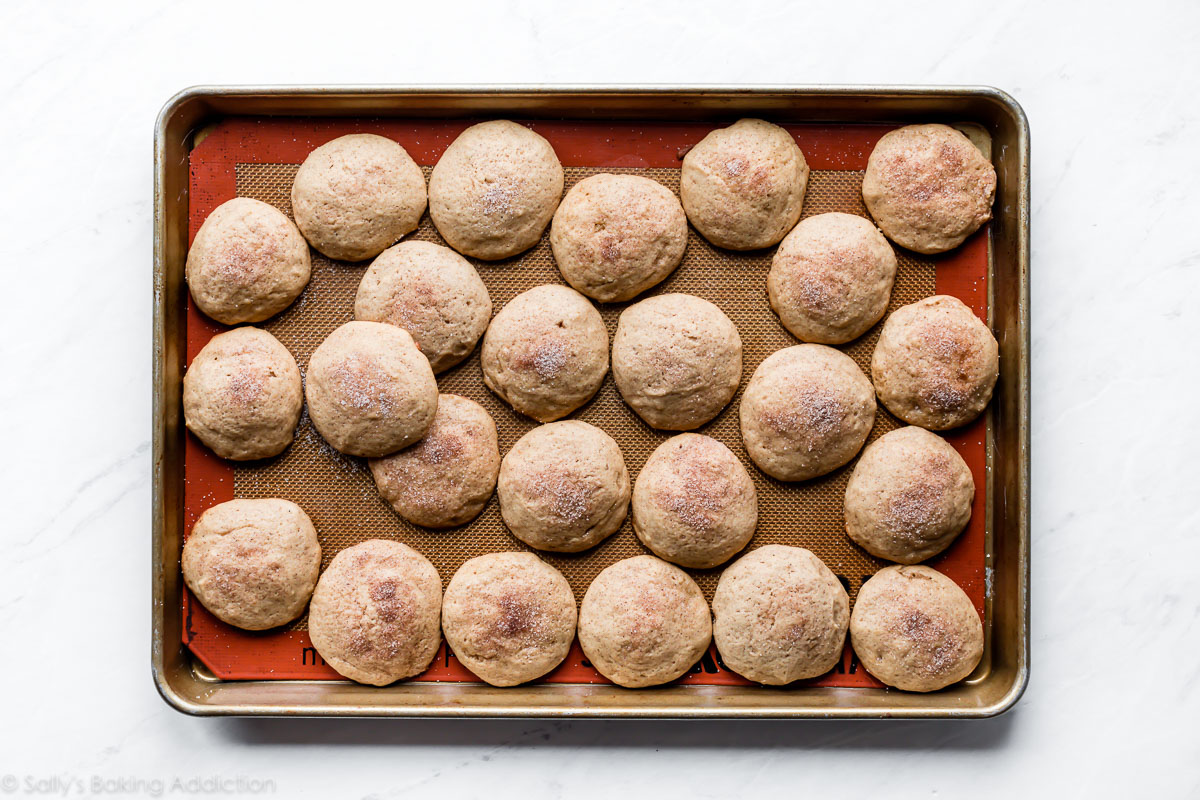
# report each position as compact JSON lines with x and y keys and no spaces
{"x":1114,"y":104}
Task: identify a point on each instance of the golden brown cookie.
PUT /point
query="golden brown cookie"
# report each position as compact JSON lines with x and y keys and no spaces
{"x":935,"y":363}
{"x":370,"y":391}
{"x":615,"y":236}
{"x":693,"y":502}
{"x":563,"y":487}
{"x":928,"y":187}
{"x":806,"y":411}
{"x":509,"y":617}
{"x":915,"y":629}
{"x":909,"y":496}
{"x":831,"y":278}
{"x":356,"y":195}
{"x":743,"y":186}
{"x":643,"y":622}
{"x":780,"y":615}
{"x":242,"y":395}
{"x":546,"y":352}
{"x":248,"y":262}
{"x":494,"y":190}
{"x":253,"y":563}
{"x":447,"y":477}
{"x":677,"y":360}
{"x":375,"y":615}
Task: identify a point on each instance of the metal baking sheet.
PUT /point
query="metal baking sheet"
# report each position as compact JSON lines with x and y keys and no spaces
{"x":246,"y":151}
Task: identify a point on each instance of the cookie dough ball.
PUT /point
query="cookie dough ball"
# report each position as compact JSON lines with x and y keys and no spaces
{"x":433,"y":293}
{"x":780,"y":615}
{"x":446,"y":478}
{"x":743,"y":186}
{"x":928,"y":187}
{"x":494,"y":190}
{"x":806,"y":411}
{"x":546,"y":352}
{"x":253,"y":563}
{"x":247,"y":263}
{"x":509,"y":617}
{"x":370,"y":391}
{"x":693,"y":502}
{"x":242,"y":395}
{"x":935,"y":363}
{"x":915,"y":629}
{"x":677,"y":360}
{"x":615,"y":236}
{"x":909,"y":496}
{"x":643,"y":622}
{"x":375,"y":615}
{"x":563,"y":487}
{"x":831,"y":278}
{"x":356,"y":195}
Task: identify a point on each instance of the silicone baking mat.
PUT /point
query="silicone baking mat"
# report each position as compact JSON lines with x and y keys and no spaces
{"x":259,"y":157}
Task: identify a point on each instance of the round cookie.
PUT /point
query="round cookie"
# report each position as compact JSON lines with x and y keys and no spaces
{"x":831,"y":278}
{"x":546,"y":352}
{"x":248,"y":262}
{"x":915,"y":629}
{"x":693,"y":502}
{"x":563,"y":487}
{"x":677,"y":360}
{"x":509,"y":617}
{"x":448,"y":477}
{"x":780,"y":615}
{"x":743,"y":186}
{"x":806,"y":411}
{"x":375,"y":615}
{"x":242,"y":395}
{"x":433,"y":293}
{"x":643,"y":622}
{"x":356,"y":195}
{"x":928,"y":187}
{"x":494,"y":190}
{"x":909,"y":496}
{"x":935,"y":363}
{"x":370,"y":391}
{"x":253,"y":563}
{"x":615,"y":236}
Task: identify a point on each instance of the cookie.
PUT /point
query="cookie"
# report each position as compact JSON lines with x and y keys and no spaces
{"x":248,"y":262}
{"x":831,"y":278}
{"x":447,"y":477}
{"x":375,"y":616}
{"x":433,"y":293}
{"x":546,"y":352}
{"x":563,"y":487}
{"x":935,"y":363}
{"x":806,"y":411}
{"x":615,"y":236}
{"x":494,"y":190}
{"x":509,"y":617}
{"x":928,"y":187}
{"x":693,"y":502}
{"x":909,"y":496}
{"x":780,"y":615}
{"x":253,"y":563}
{"x":677,"y":360}
{"x":357,"y":195}
{"x":643,"y":622}
{"x":242,"y":395}
{"x":370,"y":391}
{"x":915,"y":629}
{"x":743,"y":186}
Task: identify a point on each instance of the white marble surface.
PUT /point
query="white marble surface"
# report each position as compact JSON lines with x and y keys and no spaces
{"x":1113,"y":96}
